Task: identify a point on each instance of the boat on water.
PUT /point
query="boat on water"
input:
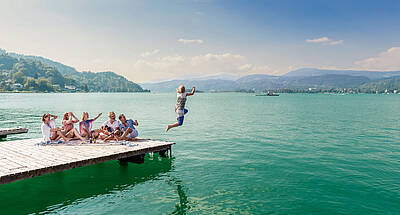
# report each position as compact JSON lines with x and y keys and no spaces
{"x":267,"y":94}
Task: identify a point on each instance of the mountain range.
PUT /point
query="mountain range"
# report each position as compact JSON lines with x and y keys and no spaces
{"x":34,"y":73}
{"x":298,"y":79}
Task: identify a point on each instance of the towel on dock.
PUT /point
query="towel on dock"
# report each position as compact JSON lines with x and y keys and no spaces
{"x":49,"y":142}
{"x":123,"y":142}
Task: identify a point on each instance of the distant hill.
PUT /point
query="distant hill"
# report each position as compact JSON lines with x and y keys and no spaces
{"x":203,"y":85}
{"x":298,"y":79}
{"x":390,"y":84}
{"x":305,"y":72}
{"x":22,"y":72}
{"x":63,"y":69}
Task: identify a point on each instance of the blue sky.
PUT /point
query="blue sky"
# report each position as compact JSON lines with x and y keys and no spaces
{"x":156,"y":40}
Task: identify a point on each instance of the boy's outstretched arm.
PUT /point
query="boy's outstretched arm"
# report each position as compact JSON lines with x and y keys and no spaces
{"x":191,"y":93}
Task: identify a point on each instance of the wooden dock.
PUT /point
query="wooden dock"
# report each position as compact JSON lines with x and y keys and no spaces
{"x":23,"y":159}
{"x":7,"y":131}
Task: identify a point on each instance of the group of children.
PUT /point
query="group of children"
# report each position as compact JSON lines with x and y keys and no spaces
{"x":110,"y":130}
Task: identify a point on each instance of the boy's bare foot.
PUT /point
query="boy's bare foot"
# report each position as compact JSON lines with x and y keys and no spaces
{"x":169,"y":127}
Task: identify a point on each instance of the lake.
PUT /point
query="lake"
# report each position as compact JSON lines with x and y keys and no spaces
{"x":235,"y":153}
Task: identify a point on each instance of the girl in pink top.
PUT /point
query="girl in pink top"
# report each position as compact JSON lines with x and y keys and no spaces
{"x":68,"y":122}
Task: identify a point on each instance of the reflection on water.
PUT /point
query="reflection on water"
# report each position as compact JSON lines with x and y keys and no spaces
{"x":63,"y":188}
{"x":184,"y":204}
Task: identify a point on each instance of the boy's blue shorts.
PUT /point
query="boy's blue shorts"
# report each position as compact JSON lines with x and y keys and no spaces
{"x":181,"y":118}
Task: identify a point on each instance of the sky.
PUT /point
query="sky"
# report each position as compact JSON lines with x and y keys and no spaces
{"x":147,"y":40}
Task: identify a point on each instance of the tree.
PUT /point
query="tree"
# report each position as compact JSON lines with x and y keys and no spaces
{"x":44,"y":85}
{"x":19,"y":77}
{"x":31,"y":84}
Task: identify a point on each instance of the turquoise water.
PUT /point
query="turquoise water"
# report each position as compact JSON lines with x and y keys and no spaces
{"x":236,"y":153}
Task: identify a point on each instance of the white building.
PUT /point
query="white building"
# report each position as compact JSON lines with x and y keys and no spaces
{"x":17,"y":86}
{"x":70,"y":87}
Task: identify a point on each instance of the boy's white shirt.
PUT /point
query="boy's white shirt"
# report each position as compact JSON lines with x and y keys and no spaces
{"x":183,"y":95}
{"x":114,"y":125}
{"x":180,"y":95}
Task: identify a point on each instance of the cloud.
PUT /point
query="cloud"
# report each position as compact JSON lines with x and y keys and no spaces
{"x":325,"y":41}
{"x":337,"y":42}
{"x":318,"y":40}
{"x":150,"y":53}
{"x":185,"y":41}
{"x":254,"y":69}
{"x":206,"y":64}
{"x":388,"y":60}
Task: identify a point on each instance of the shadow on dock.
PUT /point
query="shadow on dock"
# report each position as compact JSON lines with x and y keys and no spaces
{"x":35,"y":195}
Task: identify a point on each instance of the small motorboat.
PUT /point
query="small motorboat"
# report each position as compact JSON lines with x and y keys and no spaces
{"x":267,"y":94}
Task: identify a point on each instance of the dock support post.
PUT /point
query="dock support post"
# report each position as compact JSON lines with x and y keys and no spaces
{"x":134,"y":159}
{"x":166,"y":153}
{"x":163,"y":153}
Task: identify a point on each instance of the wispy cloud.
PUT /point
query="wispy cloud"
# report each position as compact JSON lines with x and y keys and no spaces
{"x":150,"y":53}
{"x":386,"y":61}
{"x":325,"y":41}
{"x":205,"y":64}
{"x":185,"y":41}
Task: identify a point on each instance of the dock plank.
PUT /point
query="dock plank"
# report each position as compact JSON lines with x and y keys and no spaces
{"x":24,"y":159}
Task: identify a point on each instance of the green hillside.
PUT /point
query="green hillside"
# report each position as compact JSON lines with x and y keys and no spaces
{"x":37,"y":74}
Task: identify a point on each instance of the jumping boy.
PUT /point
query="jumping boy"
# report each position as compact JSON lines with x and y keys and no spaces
{"x":180,"y":106}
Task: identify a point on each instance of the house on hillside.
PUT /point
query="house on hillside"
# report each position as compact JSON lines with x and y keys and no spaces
{"x":70,"y":87}
{"x":17,"y":86}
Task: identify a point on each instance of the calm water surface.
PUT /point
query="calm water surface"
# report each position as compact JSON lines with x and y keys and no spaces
{"x":236,"y":153}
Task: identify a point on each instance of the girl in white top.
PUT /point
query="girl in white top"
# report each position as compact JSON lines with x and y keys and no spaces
{"x":49,"y":130}
{"x":180,"y":106}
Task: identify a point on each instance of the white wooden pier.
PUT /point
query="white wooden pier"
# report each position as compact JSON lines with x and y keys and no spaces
{"x":22,"y":159}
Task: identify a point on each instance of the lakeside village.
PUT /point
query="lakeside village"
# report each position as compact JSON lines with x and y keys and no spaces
{"x":41,"y":87}
{"x":44,"y":86}
{"x":19,"y":88}
{"x":336,"y":91}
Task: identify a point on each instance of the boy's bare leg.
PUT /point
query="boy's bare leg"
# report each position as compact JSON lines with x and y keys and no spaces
{"x":110,"y":137}
{"x":102,"y":136}
{"x":128,"y":131}
{"x":116,"y":135}
{"x":172,"y":126}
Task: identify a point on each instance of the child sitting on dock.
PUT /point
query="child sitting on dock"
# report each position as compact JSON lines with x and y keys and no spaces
{"x":85,"y":126}
{"x":68,"y":129}
{"x":180,"y":106}
{"x":111,"y":128}
{"x":127,"y":127}
{"x":49,"y":130}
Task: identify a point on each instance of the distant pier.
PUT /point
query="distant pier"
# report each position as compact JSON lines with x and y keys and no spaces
{"x":7,"y":131}
{"x":23,"y":159}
